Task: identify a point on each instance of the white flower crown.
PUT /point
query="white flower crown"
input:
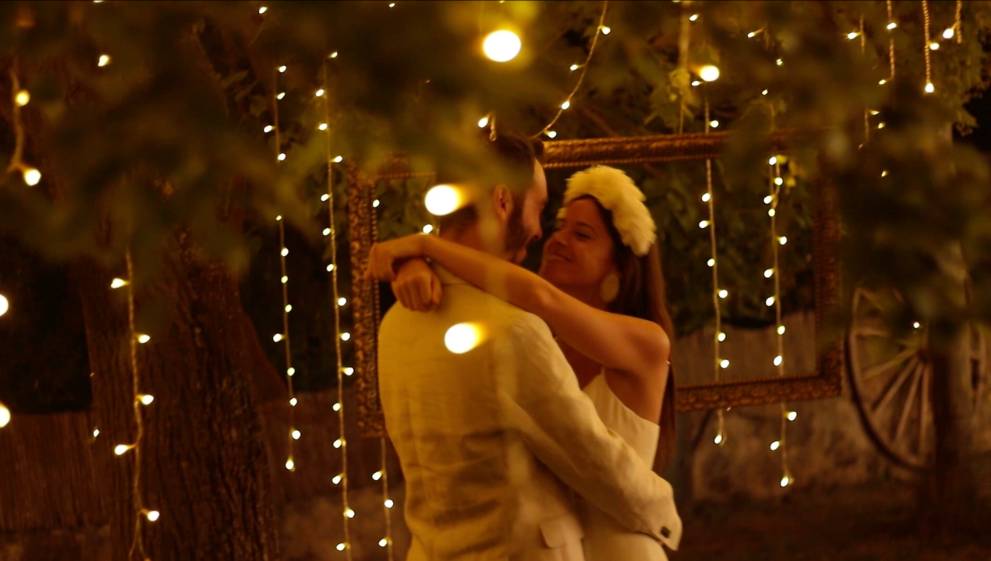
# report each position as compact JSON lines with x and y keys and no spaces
{"x":616,"y":192}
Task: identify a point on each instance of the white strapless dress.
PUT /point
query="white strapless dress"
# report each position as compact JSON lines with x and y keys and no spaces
{"x":605,"y":539}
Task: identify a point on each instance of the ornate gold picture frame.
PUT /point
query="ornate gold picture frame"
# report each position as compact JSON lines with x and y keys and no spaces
{"x":826,"y":381}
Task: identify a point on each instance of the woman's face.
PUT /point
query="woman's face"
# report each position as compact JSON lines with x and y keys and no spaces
{"x":580,"y":251}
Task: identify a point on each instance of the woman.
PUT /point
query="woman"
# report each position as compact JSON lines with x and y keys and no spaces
{"x":601,"y":291}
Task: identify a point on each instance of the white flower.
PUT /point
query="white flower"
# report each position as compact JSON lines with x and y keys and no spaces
{"x":616,"y":192}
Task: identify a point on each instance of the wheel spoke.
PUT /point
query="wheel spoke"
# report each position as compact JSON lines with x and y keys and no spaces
{"x":894,"y":387}
{"x":894,"y":361}
{"x":903,"y":421}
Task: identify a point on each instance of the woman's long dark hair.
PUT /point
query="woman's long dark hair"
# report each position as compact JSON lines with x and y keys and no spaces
{"x":642,"y":295}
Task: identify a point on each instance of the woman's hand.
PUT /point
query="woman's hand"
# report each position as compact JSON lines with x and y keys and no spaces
{"x":417,"y":286}
{"x":384,"y":256}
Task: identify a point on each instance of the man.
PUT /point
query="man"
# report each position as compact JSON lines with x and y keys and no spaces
{"x":490,"y":433}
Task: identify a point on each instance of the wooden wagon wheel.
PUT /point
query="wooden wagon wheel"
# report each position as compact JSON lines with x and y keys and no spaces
{"x":891,"y":378}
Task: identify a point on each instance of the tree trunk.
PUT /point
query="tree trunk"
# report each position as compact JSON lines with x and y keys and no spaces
{"x":203,"y":464}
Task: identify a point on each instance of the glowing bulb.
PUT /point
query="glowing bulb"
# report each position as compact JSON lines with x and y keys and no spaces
{"x":884,"y":173}
{"x":723,"y":293}
{"x":285,"y":279}
{"x":96,"y":432}
{"x":606,"y":30}
{"x":763,"y":92}
{"x":291,"y":371}
{"x":4,"y":304}
{"x":285,"y":251}
{"x":714,"y":124}
{"x":122,"y":449}
{"x":117,"y":283}
{"x":262,"y":9}
{"x":772,"y":161}
{"x":721,"y":337}
{"x":389,"y":504}
{"x":574,"y":67}
{"x":483,"y":122}
{"x":718,"y":439}
{"x":693,"y":17}
{"x":724,"y":363}
{"x":551,"y":134}
{"x":779,"y":181}
{"x":709,"y":73}
{"x":566,"y":104}
{"x":780,"y":62}
{"x":281,"y":95}
{"x":934,"y":46}
{"x":341,"y":547}
{"x":337,"y":479}
{"x":277,"y":337}
{"x":428,"y":228}
{"x":5,"y":416}
{"x":338,"y":159}
{"x":348,"y":371}
{"x":852,"y":35}
{"x":696,"y":83}
{"x":337,"y":407}
{"x":282,"y":69}
{"x":104,"y":60}
{"x":880,"y":125}
{"x":383,"y":542}
{"x":296,"y":434}
{"x":892,"y":25}
{"x":282,"y":157}
{"x":349,"y":513}
{"x":290,"y":465}
{"x":338,"y":443}
{"x":882,"y":82}
{"x":778,"y":360}
{"x":442,"y":200}
{"x":781,"y":330}
{"x":704,"y":224}
{"x":288,"y":308}
{"x":768,"y":199}
{"x":32,"y":176}
{"x":326,"y":231}
{"x":768,"y":273}
{"x":770,"y":212}
{"x":322,"y":126}
{"x":342,"y":301}
{"x":333,"y":54}
{"x":278,"y":218}
{"x":462,"y":337}
{"x":783,"y":240}
{"x":22,"y":98}
{"x":502,"y":46}
{"x":142,"y":338}
{"x":916,"y":325}
{"x":711,"y":262}
{"x":929,"y":89}
{"x":146,"y":399}
{"x":948,"y":33}
{"x":792,"y":415}
{"x":376,"y":476}
{"x":152,"y":515}
{"x":706,"y":197}
{"x":751,"y":35}
{"x":775,"y":445}
{"x":392,"y":4}
{"x":785,"y":481}
{"x":330,"y":268}
{"x":375,"y":203}
{"x":293,"y":402}
{"x":319,"y":93}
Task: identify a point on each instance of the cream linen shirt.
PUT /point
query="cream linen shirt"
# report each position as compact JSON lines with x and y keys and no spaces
{"x":490,"y":440}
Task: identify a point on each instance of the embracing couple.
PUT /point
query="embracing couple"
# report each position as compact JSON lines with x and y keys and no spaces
{"x":538,"y":437}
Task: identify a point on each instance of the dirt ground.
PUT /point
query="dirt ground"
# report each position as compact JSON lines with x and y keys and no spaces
{"x":876,"y":523}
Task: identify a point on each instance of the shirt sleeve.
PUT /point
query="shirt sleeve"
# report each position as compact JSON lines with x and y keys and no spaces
{"x":560,"y":426}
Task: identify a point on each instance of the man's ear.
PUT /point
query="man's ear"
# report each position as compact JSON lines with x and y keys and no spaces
{"x":502,"y":202}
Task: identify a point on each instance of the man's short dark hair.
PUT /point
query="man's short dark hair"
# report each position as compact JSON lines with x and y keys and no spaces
{"x":516,"y":154}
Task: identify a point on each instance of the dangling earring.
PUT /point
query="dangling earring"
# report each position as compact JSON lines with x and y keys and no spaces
{"x":609,"y":289}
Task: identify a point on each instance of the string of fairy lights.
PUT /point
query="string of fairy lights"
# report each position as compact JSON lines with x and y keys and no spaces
{"x":283,"y":253}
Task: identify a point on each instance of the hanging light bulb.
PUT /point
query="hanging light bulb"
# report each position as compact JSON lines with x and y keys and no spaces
{"x":706,"y":197}
{"x":290,"y":465}
{"x":146,"y":399}
{"x":768,"y":273}
{"x":778,"y":360}
{"x":117,"y":283}
{"x":428,"y":228}
{"x":341,"y":546}
{"x":383,"y":542}
{"x":462,"y":337}
{"x":282,"y":68}
{"x":719,"y":439}
{"x":714,"y":124}
{"x":769,"y":301}
{"x":892,"y":25}
{"x":770,"y":212}
{"x":704,"y":224}
{"x":31,"y":176}
{"x":723,"y":293}
{"x":852,"y":35}
{"x":22,"y":98}
{"x":5,"y":416}
{"x":336,"y":407}
{"x":606,"y":30}
{"x":348,"y":371}
{"x":338,"y":159}
{"x":785,"y":481}
{"x":929,"y":88}
{"x":773,"y":160}
{"x":442,"y":200}
{"x":781,"y":330}
{"x":775,"y":445}
{"x":103,"y":61}
{"x":142,"y":338}
{"x":948,"y":33}
{"x":724,"y":363}
{"x":376,"y":476}
{"x":551,"y":134}
{"x":262,"y":9}
{"x":721,"y":337}
{"x":296,"y":434}
{"x":389,"y":504}
{"x":574,"y":67}
{"x":277,"y":337}
{"x":711,"y":262}
{"x":326,"y":231}
{"x":709,"y":73}
{"x":152,"y":515}
{"x":693,"y":17}
{"x":792,"y":415}
{"x":502,"y":46}
{"x":566,"y":104}
{"x":293,"y":402}
{"x":783,"y":240}
{"x":337,"y":479}
{"x":934,"y":46}
{"x":483,"y":122}
{"x":122,"y":449}
{"x":768,"y":199}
